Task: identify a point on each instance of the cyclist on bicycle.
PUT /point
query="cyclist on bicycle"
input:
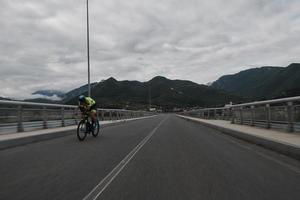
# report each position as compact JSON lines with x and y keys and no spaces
{"x":87,"y":104}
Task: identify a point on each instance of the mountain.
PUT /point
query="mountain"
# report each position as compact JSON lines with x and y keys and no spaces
{"x":56,"y":96}
{"x":165,"y":93}
{"x":76,"y":92}
{"x":263,"y":83}
{"x":2,"y":98}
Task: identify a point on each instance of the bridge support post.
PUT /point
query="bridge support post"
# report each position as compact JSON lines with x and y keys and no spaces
{"x":102,"y":115}
{"x":252,"y":115}
{"x":223,"y":114}
{"x":215,"y":113}
{"x":232,"y":115}
{"x":62,"y":117}
{"x":110,"y":115}
{"x":268,"y":116}
{"x":44,"y":117}
{"x":75,"y":116}
{"x":241,"y":116}
{"x":20,"y":119}
{"x":290,"y":116}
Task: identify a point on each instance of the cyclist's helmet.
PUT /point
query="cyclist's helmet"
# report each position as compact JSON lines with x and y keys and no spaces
{"x":81,"y":98}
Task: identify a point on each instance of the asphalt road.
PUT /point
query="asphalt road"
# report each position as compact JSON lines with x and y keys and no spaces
{"x":163,"y":157}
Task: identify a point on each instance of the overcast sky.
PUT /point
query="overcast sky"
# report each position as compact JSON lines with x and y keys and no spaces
{"x":43,"y":42}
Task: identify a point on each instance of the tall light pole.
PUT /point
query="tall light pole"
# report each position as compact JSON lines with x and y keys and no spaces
{"x":149,"y":91}
{"x":88,"y":46}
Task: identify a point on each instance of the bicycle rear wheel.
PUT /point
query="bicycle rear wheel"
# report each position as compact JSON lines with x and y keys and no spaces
{"x":96,"y":129}
{"x":81,"y":130}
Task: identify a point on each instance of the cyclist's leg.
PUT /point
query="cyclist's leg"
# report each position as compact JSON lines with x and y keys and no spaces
{"x":93,"y":112}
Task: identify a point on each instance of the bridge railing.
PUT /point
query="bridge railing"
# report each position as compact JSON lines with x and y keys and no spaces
{"x":283,"y":114}
{"x":18,"y":116}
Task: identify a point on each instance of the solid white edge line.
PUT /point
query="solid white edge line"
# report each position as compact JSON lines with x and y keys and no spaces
{"x":122,"y":164}
{"x":271,"y":158}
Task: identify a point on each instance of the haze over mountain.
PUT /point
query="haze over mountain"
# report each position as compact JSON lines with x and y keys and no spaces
{"x":1,"y":98}
{"x":50,"y":93}
{"x":263,"y":83}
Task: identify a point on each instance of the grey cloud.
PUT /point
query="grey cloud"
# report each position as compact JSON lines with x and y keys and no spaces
{"x":43,"y":43}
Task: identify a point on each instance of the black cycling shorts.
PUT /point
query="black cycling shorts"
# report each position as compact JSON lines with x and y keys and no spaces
{"x":93,"y":107}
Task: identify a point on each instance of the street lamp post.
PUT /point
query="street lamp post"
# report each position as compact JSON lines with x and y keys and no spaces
{"x":149,"y":90}
{"x":88,"y":46}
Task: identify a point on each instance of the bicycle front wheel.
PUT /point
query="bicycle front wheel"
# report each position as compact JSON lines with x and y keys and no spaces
{"x":81,"y":130}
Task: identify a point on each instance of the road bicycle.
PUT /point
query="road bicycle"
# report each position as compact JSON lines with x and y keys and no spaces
{"x":86,"y":126}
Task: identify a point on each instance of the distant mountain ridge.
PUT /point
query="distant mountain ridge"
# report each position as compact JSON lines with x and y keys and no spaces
{"x":76,"y":92}
{"x":165,"y":93}
{"x":263,"y":83}
{"x":248,"y":85}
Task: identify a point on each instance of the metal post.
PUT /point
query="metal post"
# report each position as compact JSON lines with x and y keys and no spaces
{"x":215,"y":113}
{"x":290,"y":117}
{"x":110,"y":115}
{"x":97,"y":113}
{"x":102,"y":115}
{"x":241,"y":116}
{"x":232,"y":115}
{"x":44,"y":118}
{"x":88,"y":46}
{"x":20,"y":119}
{"x":62,"y":117}
{"x":75,"y":115}
{"x":208,"y":114}
{"x":252,"y":115}
{"x":227,"y":114}
{"x":223,"y":114}
{"x":268,"y":116}
{"x":149,"y":88}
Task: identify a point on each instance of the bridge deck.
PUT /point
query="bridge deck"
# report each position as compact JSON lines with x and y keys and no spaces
{"x":178,"y":160}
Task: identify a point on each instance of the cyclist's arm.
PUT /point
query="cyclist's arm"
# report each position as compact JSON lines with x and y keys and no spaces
{"x":82,"y":108}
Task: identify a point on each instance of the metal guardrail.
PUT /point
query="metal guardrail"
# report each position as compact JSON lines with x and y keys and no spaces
{"x":283,"y":114}
{"x":18,"y":116}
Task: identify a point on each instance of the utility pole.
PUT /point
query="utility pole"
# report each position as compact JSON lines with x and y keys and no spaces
{"x":149,"y":90}
{"x":88,"y":46}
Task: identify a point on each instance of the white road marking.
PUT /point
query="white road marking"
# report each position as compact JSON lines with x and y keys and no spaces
{"x":290,"y":167}
{"x":96,"y":192}
{"x":286,"y":165}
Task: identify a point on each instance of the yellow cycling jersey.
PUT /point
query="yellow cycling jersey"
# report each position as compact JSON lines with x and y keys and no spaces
{"x":89,"y":101}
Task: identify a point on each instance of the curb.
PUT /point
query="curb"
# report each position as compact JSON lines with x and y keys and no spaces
{"x":10,"y":143}
{"x":282,"y":148}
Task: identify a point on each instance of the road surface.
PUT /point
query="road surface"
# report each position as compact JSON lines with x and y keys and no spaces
{"x":163,"y":157}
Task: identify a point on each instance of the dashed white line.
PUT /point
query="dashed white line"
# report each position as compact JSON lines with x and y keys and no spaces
{"x":97,"y":191}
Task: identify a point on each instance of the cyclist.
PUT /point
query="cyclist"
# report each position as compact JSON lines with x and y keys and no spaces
{"x":87,"y":104}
